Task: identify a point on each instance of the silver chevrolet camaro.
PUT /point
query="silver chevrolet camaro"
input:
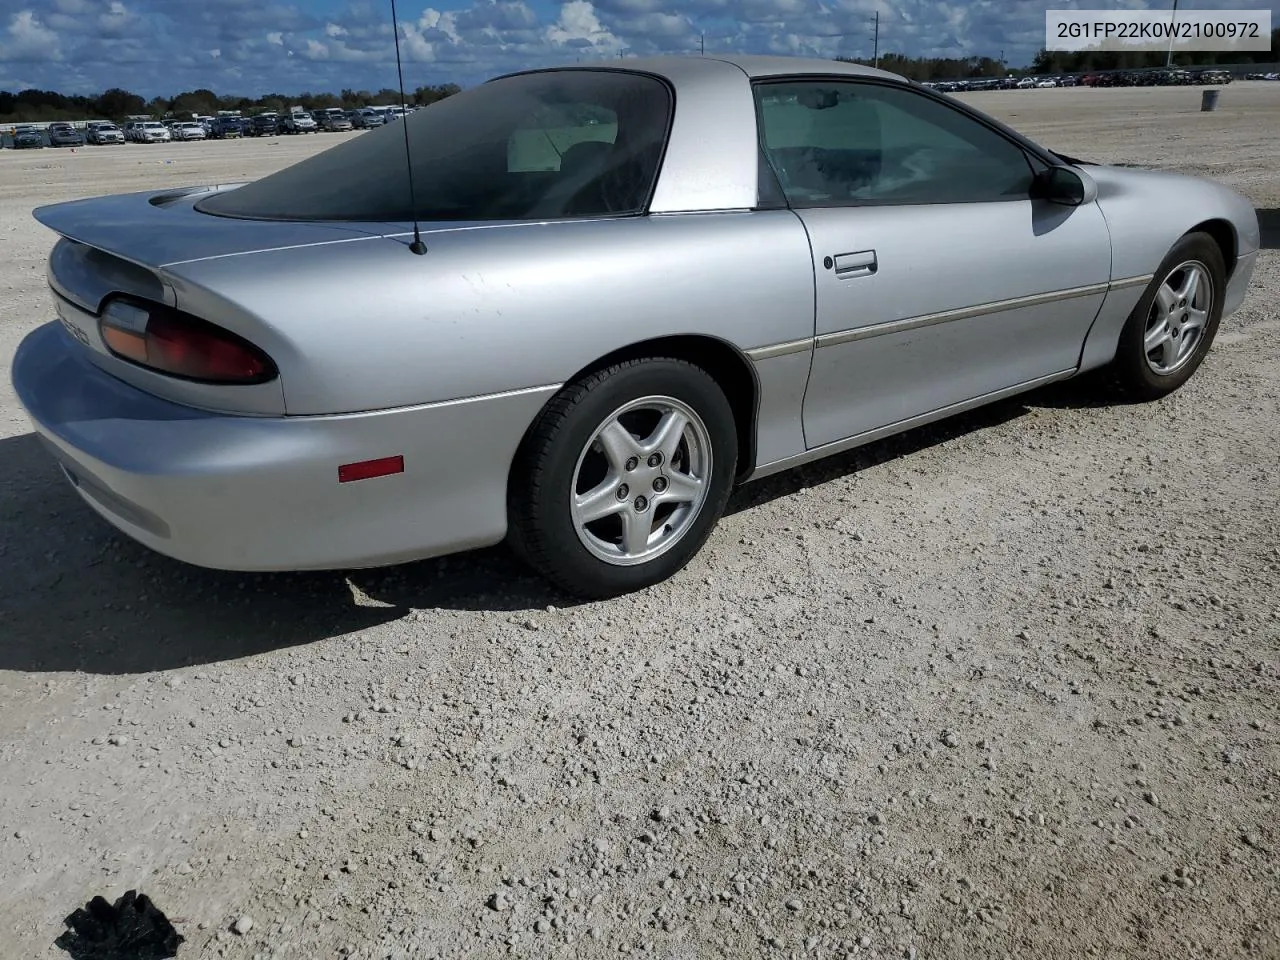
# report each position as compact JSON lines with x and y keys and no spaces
{"x":631,"y":285}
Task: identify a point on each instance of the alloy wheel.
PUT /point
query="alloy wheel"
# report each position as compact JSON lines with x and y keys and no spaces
{"x":641,"y":480}
{"x":1178,"y":318}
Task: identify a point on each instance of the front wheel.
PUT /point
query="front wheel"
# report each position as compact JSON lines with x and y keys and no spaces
{"x":622,"y":477}
{"x":1171,"y":329}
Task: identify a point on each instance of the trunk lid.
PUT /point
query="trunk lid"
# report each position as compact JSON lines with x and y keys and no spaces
{"x":155,"y":229}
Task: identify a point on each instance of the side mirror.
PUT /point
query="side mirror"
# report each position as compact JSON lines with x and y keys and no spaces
{"x":1064,"y":185}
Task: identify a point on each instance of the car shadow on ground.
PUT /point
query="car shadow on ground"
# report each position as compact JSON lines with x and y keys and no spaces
{"x":1269,"y":224}
{"x":75,"y":595}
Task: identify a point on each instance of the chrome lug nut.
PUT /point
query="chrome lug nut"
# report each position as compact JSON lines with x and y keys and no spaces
{"x":623,"y":492}
{"x":642,"y":504}
{"x":655,"y":459}
{"x":632,"y":463}
{"x":659,"y":484}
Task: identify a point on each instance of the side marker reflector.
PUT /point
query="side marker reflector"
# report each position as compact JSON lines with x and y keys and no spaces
{"x":367,"y":469}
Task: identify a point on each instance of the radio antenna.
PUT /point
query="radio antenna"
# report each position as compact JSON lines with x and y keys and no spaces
{"x":417,"y":246}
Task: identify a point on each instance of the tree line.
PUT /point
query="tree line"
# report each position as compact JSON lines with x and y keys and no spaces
{"x":38,"y":106}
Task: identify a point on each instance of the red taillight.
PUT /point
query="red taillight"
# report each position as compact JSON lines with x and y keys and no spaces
{"x":180,"y":345}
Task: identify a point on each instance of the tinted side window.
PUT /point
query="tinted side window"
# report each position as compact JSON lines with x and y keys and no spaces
{"x":838,"y":142}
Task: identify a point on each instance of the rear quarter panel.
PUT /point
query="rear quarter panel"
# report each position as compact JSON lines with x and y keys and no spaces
{"x":366,"y":326}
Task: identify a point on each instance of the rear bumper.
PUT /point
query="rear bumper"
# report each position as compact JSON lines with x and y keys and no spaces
{"x":262,"y":493}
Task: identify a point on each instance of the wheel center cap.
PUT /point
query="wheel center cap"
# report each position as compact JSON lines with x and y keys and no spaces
{"x":645,"y":481}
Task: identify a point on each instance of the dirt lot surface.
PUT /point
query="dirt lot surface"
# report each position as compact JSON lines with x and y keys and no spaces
{"x":1006,"y":687}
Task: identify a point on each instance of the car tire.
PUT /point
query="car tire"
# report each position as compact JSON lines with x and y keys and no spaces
{"x":1153,"y":358}
{"x":669,"y":503}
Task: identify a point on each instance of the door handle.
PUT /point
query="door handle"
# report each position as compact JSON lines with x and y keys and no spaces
{"x":863,"y":263}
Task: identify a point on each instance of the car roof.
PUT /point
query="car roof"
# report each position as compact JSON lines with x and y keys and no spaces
{"x":759,"y":65}
{"x":755,"y":66}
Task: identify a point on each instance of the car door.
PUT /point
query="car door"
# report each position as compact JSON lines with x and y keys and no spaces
{"x":939,"y":280}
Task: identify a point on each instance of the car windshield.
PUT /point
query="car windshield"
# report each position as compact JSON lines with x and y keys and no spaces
{"x":545,"y":145}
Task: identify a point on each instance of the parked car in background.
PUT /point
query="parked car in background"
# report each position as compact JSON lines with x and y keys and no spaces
{"x":222,"y":128}
{"x":152,"y":131}
{"x":263,"y":125}
{"x":298,"y":123}
{"x":27,"y":137}
{"x":102,"y":132}
{"x":187,"y":130}
{"x":335,"y":121}
{"x":64,"y":135}
{"x":1212,"y":76}
{"x":365,"y":119}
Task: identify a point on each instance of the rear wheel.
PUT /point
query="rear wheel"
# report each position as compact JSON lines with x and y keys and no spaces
{"x":1173,"y":326}
{"x":623,"y":476}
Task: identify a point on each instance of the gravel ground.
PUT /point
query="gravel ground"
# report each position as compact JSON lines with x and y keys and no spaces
{"x":1005,"y":687}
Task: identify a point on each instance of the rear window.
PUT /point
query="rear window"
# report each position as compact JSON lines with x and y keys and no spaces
{"x":559,"y":143}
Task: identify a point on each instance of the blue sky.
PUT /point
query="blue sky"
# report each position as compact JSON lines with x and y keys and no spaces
{"x":252,"y":47}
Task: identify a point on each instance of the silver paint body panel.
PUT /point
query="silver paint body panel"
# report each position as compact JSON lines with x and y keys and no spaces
{"x":261,"y":493}
{"x":946,"y":316}
{"x":384,"y":353}
{"x":1147,"y":211}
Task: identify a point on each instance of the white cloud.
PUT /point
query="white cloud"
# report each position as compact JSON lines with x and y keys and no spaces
{"x":29,"y":39}
{"x":442,"y":23}
{"x":579,"y":27}
{"x":276,"y":37}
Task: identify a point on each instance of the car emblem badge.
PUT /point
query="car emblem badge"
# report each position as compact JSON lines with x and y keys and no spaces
{"x":70,"y":327}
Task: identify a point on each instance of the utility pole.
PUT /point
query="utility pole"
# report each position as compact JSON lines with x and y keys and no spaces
{"x":702,"y":44}
{"x":1173,"y":23}
{"x":876,"y":47}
